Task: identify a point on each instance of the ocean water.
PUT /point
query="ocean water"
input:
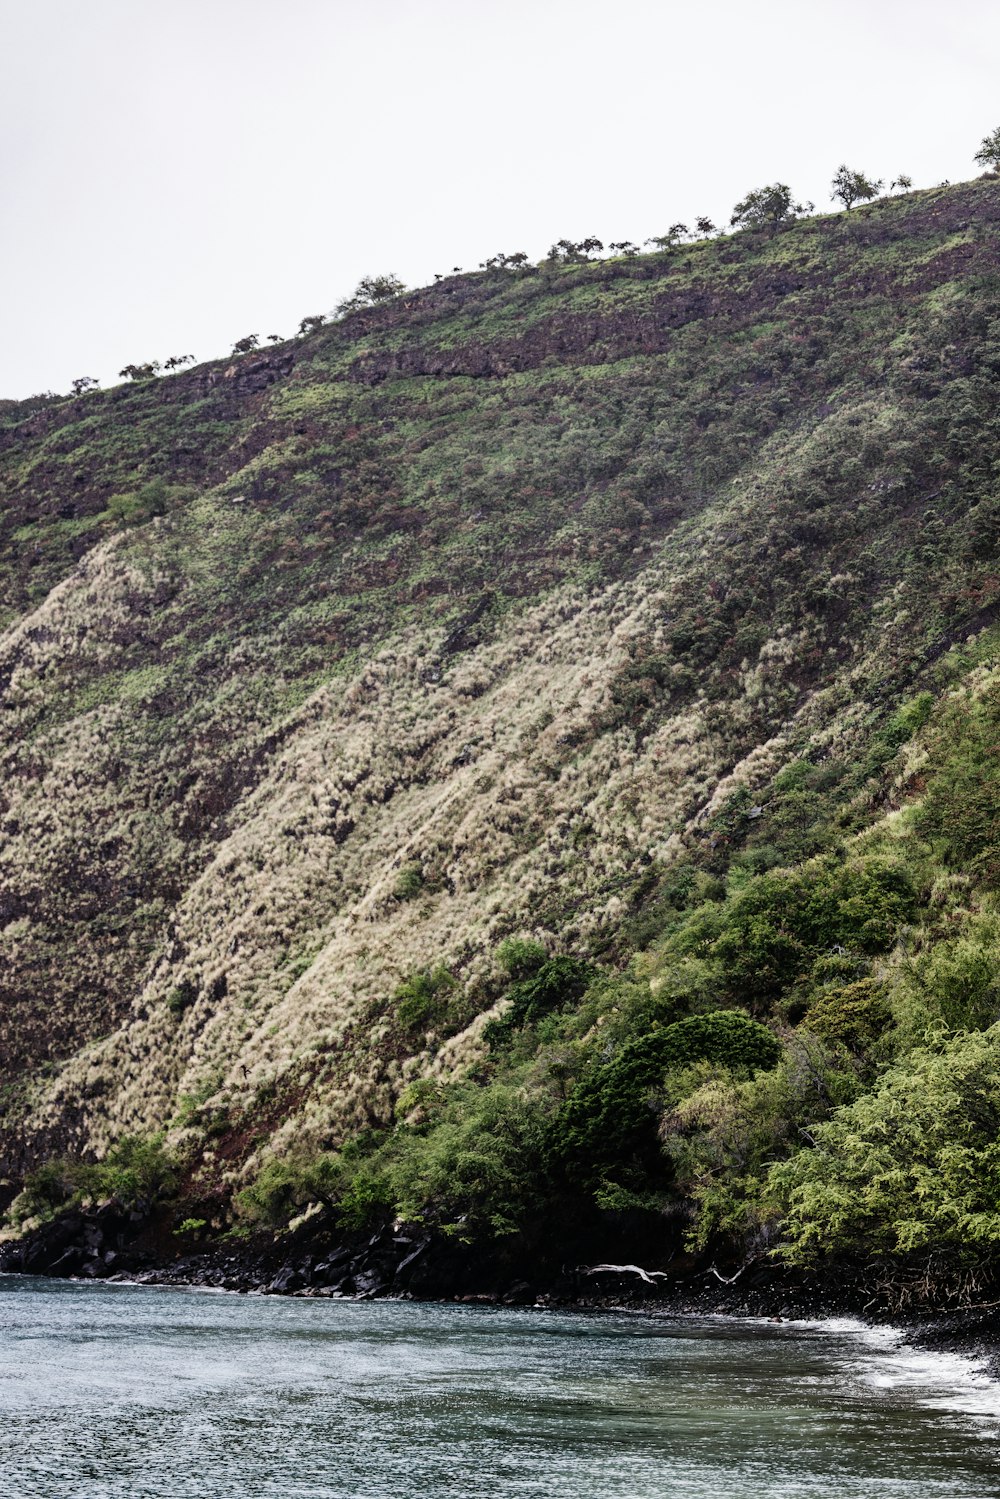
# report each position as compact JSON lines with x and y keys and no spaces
{"x":129,"y":1392}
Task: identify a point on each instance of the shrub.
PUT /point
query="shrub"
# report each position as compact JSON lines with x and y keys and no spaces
{"x":135,"y":1173}
{"x":908,"y":720}
{"x":274,"y":1194}
{"x":351,"y":1186}
{"x":182,"y":996}
{"x":610,"y":1117}
{"x":726,"y":1131}
{"x":152,"y":499}
{"x":409,"y":881}
{"x":420,"y":999}
{"x":480,"y":1170}
{"x":191,"y":1226}
{"x":961,"y":808}
{"x":45,"y":1190}
{"x":855,"y":1014}
{"x":558,"y":982}
{"x":773,"y":928}
{"x":951,"y":985}
{"x":520,"y":957}
{"x":912,"y":1166}
{"x":477,"y":1170}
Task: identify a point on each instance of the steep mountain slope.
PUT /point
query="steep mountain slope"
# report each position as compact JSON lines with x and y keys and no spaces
{"x":476,"y":615}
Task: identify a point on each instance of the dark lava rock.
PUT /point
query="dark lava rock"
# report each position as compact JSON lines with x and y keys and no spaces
{"x":520,"y":1294}
{"x":287,"y":1279}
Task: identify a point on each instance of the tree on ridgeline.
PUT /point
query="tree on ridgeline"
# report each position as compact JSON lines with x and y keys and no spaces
{"x":988,"y":155}
{"x":850,"y":187}
{"x":83,"y":383}
{"x":371,"y":291}
{"x":903,"y":182}
{"x":515,"y":262}
{"x":246,"y":345}
{"x":673,"y":237}
{"x":574,"y":251}
{"x":769,"y":208}
{"x":310,"y":324}
{"x":140,"y":371}
{"x":177,"y":360}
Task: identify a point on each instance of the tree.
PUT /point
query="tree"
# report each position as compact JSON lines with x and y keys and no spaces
{"x":903,"y":182}
{"x":988,"y":155}
{"x":370,"y":292}
{"x":246,"y":345}
{"x":501,"y":262}
{"x":275,"y":338}
{"x":177,"y":360}
{"x":310,"y":324}
{"x":140,"y":371}
{"x":83,"y":383}
{"x":850,"y":187}
{"x":768,"y":208}
{"x":624,"y":247}
{"x":704,"y":227}
{"x":673,"y":236}
{"x":573,"y":250}
{"x":909,"y":1168}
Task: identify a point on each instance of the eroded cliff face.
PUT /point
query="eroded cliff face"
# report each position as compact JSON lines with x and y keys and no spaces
{"x":462,"y":618}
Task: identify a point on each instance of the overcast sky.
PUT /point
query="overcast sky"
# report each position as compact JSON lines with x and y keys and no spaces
{"x":178,"y":173}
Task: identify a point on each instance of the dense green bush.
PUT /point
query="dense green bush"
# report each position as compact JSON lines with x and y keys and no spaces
{"x":409,"y":881}
{"x":951,"y":984}
{"x":771,"y":931}
{"x":480,"y":1170}
{"x":182,"y":996}
{"x":611,"y":1116}
{"x":475,"y":1167}
{"x":520,"y":957}
{"x":856,"y":1014}
{"x":352,"y":1185}
{"x":554,"y":984}
{"x":961,"y":807}
{"x":723,"y":1132}
{"x":46,"y":1189}
{"x":912,"y":1166}
{"x":422,"y":998}
{"x":136,"y":1173}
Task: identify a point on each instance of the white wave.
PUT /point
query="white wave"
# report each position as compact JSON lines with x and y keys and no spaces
{"x":944,"y":1381}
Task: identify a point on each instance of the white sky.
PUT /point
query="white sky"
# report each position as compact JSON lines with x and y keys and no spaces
{"x":178,"y":173}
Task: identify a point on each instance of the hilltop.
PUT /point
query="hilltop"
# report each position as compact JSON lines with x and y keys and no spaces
{"x":418,"y":734}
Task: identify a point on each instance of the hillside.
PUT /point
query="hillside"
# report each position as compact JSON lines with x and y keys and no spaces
{"x":406,"y":729}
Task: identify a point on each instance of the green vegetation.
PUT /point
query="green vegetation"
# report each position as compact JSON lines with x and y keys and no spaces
{"x":527,"y":747}
{"x":768,"y":208}
{"x":988,"y":155}
{"x":135,"y":1174}
{"x":858,"y":1114}
{"x":912,"y":1166}
{"x":420,"y":999}
{"x":850,"y":187}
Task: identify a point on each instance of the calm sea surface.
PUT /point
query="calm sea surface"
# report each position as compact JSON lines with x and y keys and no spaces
{"x":136,"y":1392}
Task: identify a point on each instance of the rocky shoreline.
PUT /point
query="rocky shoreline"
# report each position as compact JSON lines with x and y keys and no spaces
{"x":401,"y":1263}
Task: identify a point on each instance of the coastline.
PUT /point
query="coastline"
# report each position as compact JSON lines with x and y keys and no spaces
{"x":395,"y":1264}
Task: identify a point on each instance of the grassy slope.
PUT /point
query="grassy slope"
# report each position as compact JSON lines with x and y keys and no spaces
{"x":527,"y":585}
